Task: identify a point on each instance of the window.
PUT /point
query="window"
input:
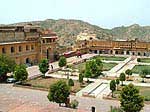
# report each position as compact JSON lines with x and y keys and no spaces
{"x":43,"y":41}
{"x":27,"y":47}
{"x":49,"y":40}
{"x":12,"y":49}
{"x":3,"y":50}
{"x":32,"y":47}
{"x":20,"y":48}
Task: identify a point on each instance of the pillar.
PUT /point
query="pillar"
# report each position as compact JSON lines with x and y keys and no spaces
{"x":130,"y":52}
{"x":113,"y":52}
{"x":97,"y":51}
{"x":125,"y":52}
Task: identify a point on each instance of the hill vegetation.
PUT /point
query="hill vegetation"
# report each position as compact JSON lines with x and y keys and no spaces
{"x":67,"y":30}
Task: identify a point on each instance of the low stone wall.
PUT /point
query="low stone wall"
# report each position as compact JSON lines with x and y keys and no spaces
{"x":30,"y":87}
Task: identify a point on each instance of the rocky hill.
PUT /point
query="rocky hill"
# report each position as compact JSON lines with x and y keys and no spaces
{"x":68,"y":30}
{"x":132,"y":32}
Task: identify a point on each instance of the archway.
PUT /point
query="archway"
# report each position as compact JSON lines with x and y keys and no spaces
{"x":133,"y":53}
{"x":111,"y":51}
{"x":27,"y":60}
{"x":100,"y":52}
{"x":122,"y":52}
{"x":128,"y":53}
{"x":116,"y":52}
{"x":95,"y":51}
{"x":139,"y":53}
{"x":144,"y":54}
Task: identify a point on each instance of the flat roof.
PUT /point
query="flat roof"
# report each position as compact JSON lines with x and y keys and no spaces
{"x":50,"y":37}
{"x":7,"y":43}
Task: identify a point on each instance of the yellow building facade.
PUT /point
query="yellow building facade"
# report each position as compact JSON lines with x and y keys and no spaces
{"x":27,"y":44}
{"x":128,"y":47}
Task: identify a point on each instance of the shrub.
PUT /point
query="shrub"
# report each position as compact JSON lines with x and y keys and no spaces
{"x":80,"y":78}
{"x":44,"y":66}
{"x":74,"y":104}
{"x":70,"y":82}
{"x":62,"y":61}
{"x":116,"y":109}
{"x":139,"y":60}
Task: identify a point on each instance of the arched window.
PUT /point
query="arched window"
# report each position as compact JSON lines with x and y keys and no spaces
{"x":3,"y":50}
{"x":20,"y":48}
{"x":12,"y":49}
{"x":32,"y":47}
{"x":27,"y":47}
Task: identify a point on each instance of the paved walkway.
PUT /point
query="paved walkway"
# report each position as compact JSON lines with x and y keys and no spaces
{"x":33,"y":71}
{"x":14,"y":99}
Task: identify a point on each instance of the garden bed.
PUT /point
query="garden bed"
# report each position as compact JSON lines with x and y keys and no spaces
{"x":106,"y":66}
{"x":138,"y":68}
{"x":144,"y":91}
{"x":44,"y":84}
{"x":112,"y":58}
{"x":145,"y":60}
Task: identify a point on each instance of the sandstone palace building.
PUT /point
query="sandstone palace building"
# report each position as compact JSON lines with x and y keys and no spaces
{"x":114,"y":47}
{"x":27,"y":44}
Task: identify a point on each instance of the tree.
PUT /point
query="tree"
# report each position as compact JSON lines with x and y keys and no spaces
{"x":128,"y":72}
{"x":87,"y":73}
{"x":62,"y":61}
{"x":115,"y":109}
{"x":112,"y":86}
{"x":20,"y":73}
{"x":122,"y":78}
{"x":95,"y":67}
{"x":80,"y":78}
{"x":143,"y":73}
{"x":59,"y":92}
{"x":117,"y":82}
{"x":44,"y":66}
{"x":7,"y":65}
{"x":131,"y":100}
{"x":99,"y":62}
{"x":70,"y":82}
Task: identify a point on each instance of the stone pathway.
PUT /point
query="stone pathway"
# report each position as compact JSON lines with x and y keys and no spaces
{"x":14,"y":99}
{"x":33,"y":71}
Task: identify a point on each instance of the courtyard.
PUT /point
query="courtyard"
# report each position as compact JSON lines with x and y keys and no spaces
{"x":29,"y":100}
{"x":41,"y":86}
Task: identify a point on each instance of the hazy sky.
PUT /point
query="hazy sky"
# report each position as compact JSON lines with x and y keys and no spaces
{"x":105,"y":13}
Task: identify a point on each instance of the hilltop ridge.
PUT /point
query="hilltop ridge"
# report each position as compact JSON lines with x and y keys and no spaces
{"x":67,"y":30}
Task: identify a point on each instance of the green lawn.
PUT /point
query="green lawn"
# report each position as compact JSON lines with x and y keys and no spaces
{"x":106,"y":66}
{"x":112,"y":58}
{"x":145,"y":60}
{"x":144,"y":91}
{"x":139,"y":68}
